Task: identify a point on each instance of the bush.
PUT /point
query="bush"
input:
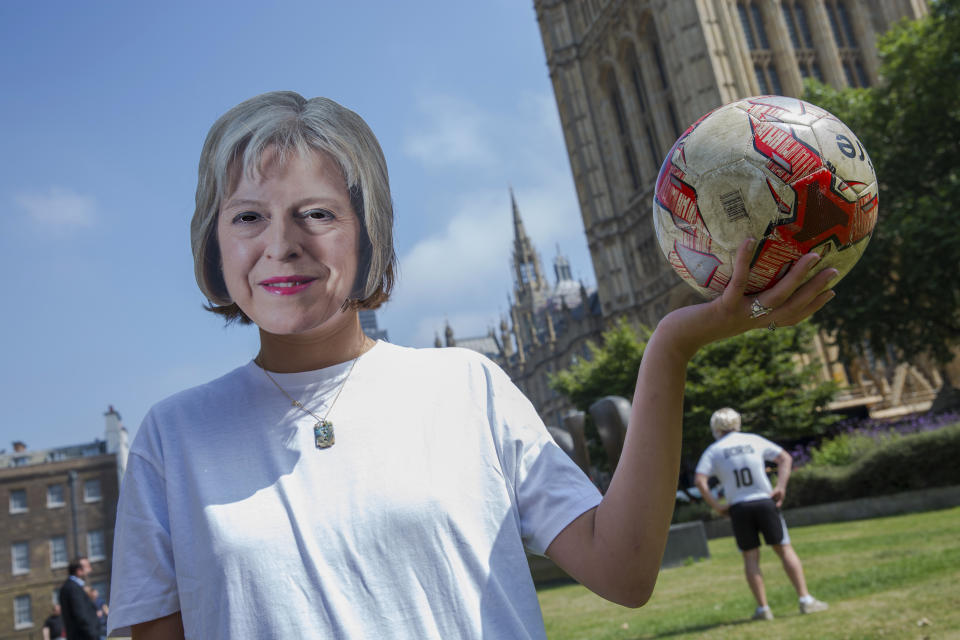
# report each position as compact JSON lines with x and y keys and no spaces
{"x":846,"y":448}
{"x":838,"y":451}
{"x":692,"y":511}
{"x":917,"y":461}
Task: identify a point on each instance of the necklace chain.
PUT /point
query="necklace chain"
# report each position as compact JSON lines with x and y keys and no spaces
{"x":323,"y":429}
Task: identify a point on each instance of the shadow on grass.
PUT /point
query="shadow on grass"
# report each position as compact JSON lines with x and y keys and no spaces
{"x":697,"y":629}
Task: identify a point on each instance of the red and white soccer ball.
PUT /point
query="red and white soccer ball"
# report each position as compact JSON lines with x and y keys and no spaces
{"x":781,"y":170}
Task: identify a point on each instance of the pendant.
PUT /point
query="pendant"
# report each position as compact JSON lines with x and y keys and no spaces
{"x":323,"y":434}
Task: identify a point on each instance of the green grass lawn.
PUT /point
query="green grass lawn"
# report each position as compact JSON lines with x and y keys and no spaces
{"x":893,"y":577}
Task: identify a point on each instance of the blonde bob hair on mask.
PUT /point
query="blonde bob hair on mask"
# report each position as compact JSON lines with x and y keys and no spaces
{"x":289,"y":123}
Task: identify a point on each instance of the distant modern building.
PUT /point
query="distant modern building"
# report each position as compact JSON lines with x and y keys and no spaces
{"x":368,"y":322}
{"x":59,"y":503}
{"x":548,"y":328}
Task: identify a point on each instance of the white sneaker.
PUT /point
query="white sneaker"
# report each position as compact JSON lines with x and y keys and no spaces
{"x":813,"y":606}
{"x":762,"y":614}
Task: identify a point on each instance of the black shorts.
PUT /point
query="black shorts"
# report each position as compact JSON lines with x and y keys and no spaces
{"x":753,"y":517}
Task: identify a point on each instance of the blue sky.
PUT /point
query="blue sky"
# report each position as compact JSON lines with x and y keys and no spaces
{"x":105,"y":106}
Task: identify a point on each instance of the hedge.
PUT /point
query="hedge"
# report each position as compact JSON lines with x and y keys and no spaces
{"x":916,"y":461}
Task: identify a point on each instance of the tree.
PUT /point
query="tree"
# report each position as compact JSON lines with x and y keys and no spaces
{"x":757,"y":373}
{"x":905,"y":293}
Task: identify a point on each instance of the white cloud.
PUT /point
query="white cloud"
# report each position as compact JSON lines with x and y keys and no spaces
{"x":58,"y":206}
{"x":460,"y":267}
{"x":463,"y":272}
{"x":453,"y":134}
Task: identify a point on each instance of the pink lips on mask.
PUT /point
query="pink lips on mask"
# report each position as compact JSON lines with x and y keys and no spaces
{"x":286,"y":285}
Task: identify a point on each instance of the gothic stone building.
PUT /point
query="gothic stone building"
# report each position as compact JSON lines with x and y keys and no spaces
{"x":630,"y":75}
{"x":548,"y":329}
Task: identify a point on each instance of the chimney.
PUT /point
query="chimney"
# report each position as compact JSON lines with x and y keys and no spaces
{"x":116,"y":436}
{"x":112,"y":431}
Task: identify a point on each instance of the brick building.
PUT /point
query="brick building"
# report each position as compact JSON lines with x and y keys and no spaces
{"x":57,"y":504}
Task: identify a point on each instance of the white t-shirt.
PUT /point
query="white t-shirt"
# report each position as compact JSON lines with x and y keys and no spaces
{"x":413,"y":525}
{"x":737,"y":459}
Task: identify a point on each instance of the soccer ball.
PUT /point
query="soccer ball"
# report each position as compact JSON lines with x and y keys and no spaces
{"x":781,"y":170}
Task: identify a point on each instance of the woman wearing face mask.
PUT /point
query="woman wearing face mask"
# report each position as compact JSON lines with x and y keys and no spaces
{"x":339,"y":487}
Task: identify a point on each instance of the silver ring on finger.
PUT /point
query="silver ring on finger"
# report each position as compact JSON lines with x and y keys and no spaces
{"x":757,"y":310}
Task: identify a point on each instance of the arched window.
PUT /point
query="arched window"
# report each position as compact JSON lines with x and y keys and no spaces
{"x":795,"y":16}
{"x":755,"y":33}
{"x":847,"y":45}
{"x":646,"y":67}
{"x":629,"y":157}
{"x":667,"y":99}
{"x":631,"y":61}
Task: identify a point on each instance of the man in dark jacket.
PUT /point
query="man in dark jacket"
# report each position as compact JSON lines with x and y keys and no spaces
{"x":53,"y":625}
{"x":77,"y":610}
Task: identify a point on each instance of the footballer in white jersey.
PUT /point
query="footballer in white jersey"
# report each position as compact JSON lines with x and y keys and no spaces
{"x":738,"y":460}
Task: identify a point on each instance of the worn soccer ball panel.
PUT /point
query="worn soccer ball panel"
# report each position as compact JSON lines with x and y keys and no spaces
{"x":778,"y":169}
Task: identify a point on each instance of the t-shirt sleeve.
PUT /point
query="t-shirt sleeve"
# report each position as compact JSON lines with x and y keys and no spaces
{"x":549,"y":489}
{"x":143,"y":583}
{"x":770,"y":450}
{"x":705,"y":465}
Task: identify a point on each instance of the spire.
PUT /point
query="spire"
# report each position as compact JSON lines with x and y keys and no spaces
{"x":526,"y":262}
{"x":519,"y":233}
{"x":561,"y":267}
{"x":449,"y":335}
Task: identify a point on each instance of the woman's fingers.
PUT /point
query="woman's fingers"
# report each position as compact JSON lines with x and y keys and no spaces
{"x":810,"y":297}
{"x":817,"y":304}
{"x":795,"y":297}
{"x":741,"y":268}
{"x":792,"y":282}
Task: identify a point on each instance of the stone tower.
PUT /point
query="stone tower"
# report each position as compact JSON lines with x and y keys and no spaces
{"x":548,"y":326}
{"x":630,"y":75}
{"x":530,"y":287}
{"x":551,"y":323}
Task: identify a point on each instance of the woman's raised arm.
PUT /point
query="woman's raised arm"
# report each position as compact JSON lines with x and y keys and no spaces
{"x":616,"y":549}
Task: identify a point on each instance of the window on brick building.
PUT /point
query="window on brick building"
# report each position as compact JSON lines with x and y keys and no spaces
{"x":96,"y":550}
{"x":22,"y":612}
{"x":18,"y":501}
{"x":20,"y":558}
{"x":58,"y":552}
{"x":55,"y":495}
{"x":91,"y":490}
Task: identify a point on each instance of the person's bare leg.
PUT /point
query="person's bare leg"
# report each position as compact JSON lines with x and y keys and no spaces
{"x":751,"y":567}
{"x":793,"y":568}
